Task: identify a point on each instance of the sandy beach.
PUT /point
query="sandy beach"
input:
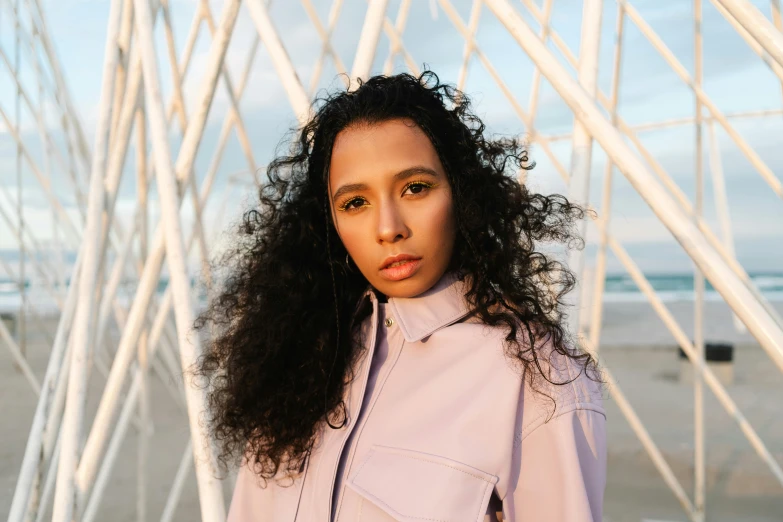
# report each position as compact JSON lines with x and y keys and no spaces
{"x":635,"y":347}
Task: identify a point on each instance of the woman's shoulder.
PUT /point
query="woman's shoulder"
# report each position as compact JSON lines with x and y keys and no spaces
{"x":554,"y":381}
{"x":560,"y":382}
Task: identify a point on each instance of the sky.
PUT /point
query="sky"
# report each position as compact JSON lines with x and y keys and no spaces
{"x":735,"y":79}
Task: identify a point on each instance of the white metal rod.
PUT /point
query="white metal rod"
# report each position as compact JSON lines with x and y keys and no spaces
{"x":118,"y":154}
{"x":599,"y":280}
{"x":47,"y":139}
{"x":142,"y":452}
{"x":144,"y":401}
{"x":64,"y":494}
{"x":19,"y":358}
{"x":141,"y":221}
{"x":214,"y":63}
{"x":222,"y":140}
{"x":39,"y":508}
{"x":43,"y":181}
{"x":326,"y":41}
{"x":119,"y":147}
{"x":698,"y":282}
{"x":722,"y":203}
{"x":396,"y":43}
{"x":776,"y":68}
{"x":62,"y":88}
{"x":124,"y":44}
{"x":241,"y":132}
{"x":280,"y":60}
{"x":36,"y":249}
{"x":467,"y":49}
{"x":777,"y":20}
{"x":183,"y":122}
{"x":642,"y":127}
{"x":22,"y":316}
{"x":118,"y":435}
{"x":231,"y":119}
{"x":183,"y":470}
{"x":49,"y":439}
{"x":535,"y":85}
{"x":19,"y":199}
{"x":54,"y":416}
{"x":113,"y":282}
{"x":42,"y":327}
{"x":368,"y":40}
{"x":210,"y":492}
{"x":190,"y":44}
{"x":582,"y":142}
{"x":725,"y":281}
{"x":758,"y":25}
{"x":176,"y":78}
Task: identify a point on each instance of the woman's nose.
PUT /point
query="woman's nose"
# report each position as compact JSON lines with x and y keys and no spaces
{"x":391,"y":225}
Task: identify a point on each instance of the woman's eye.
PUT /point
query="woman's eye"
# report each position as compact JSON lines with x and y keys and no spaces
{"x":417,"y":188}
{"x":352,"y":204}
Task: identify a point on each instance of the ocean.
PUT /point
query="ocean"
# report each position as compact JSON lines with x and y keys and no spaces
{"x":617,"y":288}
{"x":679,"y":287}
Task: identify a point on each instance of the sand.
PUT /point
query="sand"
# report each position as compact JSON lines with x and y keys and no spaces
{"x":636,"y":349}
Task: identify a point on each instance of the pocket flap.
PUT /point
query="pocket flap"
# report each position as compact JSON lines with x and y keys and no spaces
{"x":412,"y":486}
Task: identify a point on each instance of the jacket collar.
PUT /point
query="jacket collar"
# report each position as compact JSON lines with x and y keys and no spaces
{"x":440,"y":306}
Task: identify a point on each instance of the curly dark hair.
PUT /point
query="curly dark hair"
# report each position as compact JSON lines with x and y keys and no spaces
{"x":276,"y":364}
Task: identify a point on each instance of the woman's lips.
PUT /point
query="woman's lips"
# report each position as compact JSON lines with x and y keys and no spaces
{"x":401,"y":271}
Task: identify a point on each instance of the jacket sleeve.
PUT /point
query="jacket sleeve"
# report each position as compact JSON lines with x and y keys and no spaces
{"x":561,"y":469}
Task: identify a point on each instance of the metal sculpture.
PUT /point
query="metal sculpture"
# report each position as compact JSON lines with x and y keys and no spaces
{"x":57,"y":471}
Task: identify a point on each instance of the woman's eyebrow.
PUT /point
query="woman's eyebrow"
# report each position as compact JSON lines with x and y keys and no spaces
{"x":351,"y":187}
{"x":403,"y":174}
{"x":412,"y":171}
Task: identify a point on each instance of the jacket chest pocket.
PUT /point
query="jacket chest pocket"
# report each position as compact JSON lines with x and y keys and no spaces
{"x":410,"y":486}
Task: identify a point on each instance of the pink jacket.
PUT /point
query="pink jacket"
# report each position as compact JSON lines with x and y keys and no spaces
{"x":441,"y":427}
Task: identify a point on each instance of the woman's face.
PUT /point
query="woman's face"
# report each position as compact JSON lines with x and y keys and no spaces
{"x":392,"y":205}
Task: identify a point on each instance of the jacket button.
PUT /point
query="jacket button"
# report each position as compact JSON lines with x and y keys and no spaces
{"x":389,"y":321}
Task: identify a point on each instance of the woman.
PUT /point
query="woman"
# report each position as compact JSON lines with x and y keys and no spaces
{"x":390,"y":345}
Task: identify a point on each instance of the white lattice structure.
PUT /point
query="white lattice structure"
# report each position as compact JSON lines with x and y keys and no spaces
{"x":38,"y":120}
{"x":137,"y":106}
